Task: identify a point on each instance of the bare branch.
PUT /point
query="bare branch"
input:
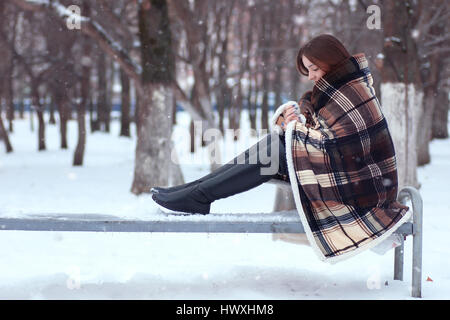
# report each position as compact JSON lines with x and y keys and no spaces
{"x":92,"y":29}
{"x":439,"y":50}
{"x":427,"y":23}
{"x":437,"y":40}
{"x":115,"y":20}
{"x":185,"y":102}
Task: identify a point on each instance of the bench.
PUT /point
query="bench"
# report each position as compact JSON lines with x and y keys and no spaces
{"x":276,"y":222}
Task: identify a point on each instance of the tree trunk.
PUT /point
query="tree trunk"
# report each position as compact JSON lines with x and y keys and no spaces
{"x":58,"y":97}
{"x":93,"y":119}
{"x":401,"y":106}
{"x":52,"y":119}
{"x":440,"y":116}
{"x":31,"y":111}
{"x":265,"y":69}
{"x":236,"y":105}
{"x":102,"y":101}
{"x":424,"y":137}
{"x":174,"y":112}
{"x":192,"y":140}
{"x":110,"y":94}
{"x":221,"y":108}
{"x":81,"y":121}
{"x":136,"y":111}
{"x":125,"y":105}
{"x":265,"y":103}
{"x":236,"y":110}
{"x":429,"y":104}
{"x":6,"y":64}
{"x":223,"y":96}
{"x":9,"y":94}
{"x":401,"y":98}
{"x":85,"y":94}
{"x":277,"y":86}
{"x":40,"y":114}
{"x":41,"y":131}
{"x":21,"y":108}
{"x":4,"y":133}
{"x":252,"y":102}
{"x":64,"y":111}
{"x":153,"y":154}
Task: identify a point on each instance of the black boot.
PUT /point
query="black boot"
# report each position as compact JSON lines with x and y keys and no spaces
{"x":261,"y":165}
{"x":190,"y":200}
{"x":241,"y":158}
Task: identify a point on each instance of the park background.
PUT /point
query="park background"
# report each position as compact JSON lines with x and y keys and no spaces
{"x":96,"y":96}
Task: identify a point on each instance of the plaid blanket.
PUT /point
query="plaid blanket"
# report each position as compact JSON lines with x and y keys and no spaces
{"x":342,"y":165}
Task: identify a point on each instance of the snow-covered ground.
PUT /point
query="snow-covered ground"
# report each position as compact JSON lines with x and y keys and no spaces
{"x":77,"y":265}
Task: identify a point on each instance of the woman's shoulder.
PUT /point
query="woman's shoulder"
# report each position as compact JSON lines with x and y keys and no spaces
{"x":352,"y":109}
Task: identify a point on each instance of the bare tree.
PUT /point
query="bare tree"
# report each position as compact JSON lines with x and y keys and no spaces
{"x":5,"y":80}
{"x":82,"y":103}
{"x":433,"y":55}
{"x":60,"y":43}
{"x":411,"y":76}
{"x":441,"y":110}
{"x":36,"y":71}
{"x":401,"y":90}
{"x":434,"y":51}
{"x":153,"y":78}
{"x":8,"y":25}
{"x":155,"y":126}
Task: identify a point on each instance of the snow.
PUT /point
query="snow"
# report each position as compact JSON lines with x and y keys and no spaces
{"x":83,"y":265}
{"x":393,"y":39}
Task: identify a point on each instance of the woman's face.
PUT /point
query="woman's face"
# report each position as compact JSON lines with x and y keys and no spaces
{"x":314,"y":72}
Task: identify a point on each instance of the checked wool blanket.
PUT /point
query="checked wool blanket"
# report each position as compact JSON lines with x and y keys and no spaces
{"x":342,"y":165}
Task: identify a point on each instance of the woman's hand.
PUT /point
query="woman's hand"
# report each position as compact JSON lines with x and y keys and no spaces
{"x":289,"y":114}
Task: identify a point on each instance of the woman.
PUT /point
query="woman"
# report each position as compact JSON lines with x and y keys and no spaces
{"x":340,"y":162}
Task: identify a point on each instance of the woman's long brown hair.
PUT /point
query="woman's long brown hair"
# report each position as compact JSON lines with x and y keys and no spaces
{"x":325,"y":51}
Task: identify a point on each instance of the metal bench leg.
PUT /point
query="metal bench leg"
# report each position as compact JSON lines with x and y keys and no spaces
{"x":417,"y":252}
{"x":417,"y":206}
{"x":398,"y":261}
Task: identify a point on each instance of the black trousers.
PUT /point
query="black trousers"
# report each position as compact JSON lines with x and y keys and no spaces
{"x":260,"y":163}
{"x":269,"y":152}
